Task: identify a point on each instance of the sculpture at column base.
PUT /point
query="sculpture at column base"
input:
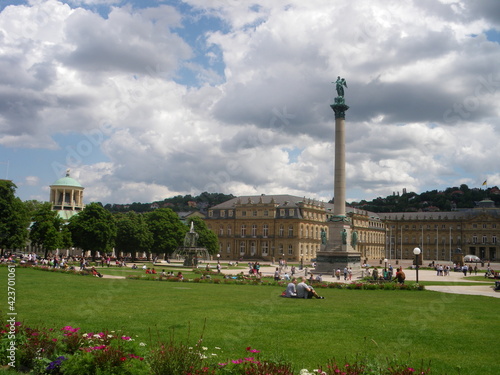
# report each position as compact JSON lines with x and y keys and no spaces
{"x":340,"y":248}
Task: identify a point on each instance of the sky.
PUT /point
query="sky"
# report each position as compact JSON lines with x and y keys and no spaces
{"x":145,"y":100}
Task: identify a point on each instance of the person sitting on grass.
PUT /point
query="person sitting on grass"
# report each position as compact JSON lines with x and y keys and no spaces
{"x":291,"y":290}
{"x":306,"y":291}
{"x":400,"y":276}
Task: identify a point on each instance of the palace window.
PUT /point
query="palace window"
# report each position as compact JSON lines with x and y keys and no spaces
{"x":242,"y":247}
{"x":243,"y":230}
{"x":228,"y":248}
{"x":290,"y":249}
{"x":281,"y":231}
{"x":230,"y":213}
{"x":265,"y":248}
{"x":221,"y":230}
{"x":265,"y":230}
{"x":254,"y":230}
{"x":229,"y":230}
{"x":254,"y":213}
{"x":291,"y":212}
{"x":222,"y":213}
{"x":290,"y":231}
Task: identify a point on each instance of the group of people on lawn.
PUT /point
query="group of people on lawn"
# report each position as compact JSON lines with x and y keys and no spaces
{"x":300,"y":290}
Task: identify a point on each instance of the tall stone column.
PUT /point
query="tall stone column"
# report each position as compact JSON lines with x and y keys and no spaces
{"x":339,"y":172}
{"x":339,"y":251}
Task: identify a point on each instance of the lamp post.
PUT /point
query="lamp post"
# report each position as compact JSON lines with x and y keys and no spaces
{"x":301,"y":261}
{"x":386,"y":272}
{"x":417,"y":252}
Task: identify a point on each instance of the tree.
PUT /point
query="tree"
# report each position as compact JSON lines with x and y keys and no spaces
{"x":46,"y":230}
{"x":207,"y":238}
{"x":14,"y":218}
{"x":93,"y":229}
{"x":167,"y":229}
{"x":133,"y":234}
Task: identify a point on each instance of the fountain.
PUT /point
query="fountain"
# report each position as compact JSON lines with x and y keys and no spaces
{"x":190,"y":251}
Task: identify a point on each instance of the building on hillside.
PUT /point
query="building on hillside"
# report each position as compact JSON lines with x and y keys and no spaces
{"x":270,"y":227}
{"x":186,"y":215}
{"x":439,"y":234}
{"x":66,"y":196}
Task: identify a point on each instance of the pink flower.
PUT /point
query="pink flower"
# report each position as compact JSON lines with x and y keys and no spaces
{"x":126,"y":338}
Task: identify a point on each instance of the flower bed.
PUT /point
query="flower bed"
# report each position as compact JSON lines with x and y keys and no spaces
{"x":68,"y":350}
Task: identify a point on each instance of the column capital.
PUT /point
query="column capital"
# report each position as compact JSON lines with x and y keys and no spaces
{"x":339,"y":107}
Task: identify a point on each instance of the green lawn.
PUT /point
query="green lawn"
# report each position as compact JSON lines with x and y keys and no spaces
{"x":457,"y":333}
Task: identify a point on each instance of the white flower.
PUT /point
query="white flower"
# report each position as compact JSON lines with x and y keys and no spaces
{"x":217,"y":348}
{"x":142,"y":344}
{"x":305,"y":371}
{"x":204,"y":348}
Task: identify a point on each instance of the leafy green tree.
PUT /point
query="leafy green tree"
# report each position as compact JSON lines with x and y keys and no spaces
{"x":133,"y":234}
{"x":46,"y":230}
{"x":207,"y":238}
{"x":93,"y":229}
{"x":167,"y":229}
{"x":14,"y":218}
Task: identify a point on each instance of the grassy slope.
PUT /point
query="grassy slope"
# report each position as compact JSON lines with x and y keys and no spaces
{"x":447,"y":329}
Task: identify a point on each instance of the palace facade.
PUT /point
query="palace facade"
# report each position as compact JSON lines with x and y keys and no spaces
{"x":440,"y":235}
{"x":270,"y":227}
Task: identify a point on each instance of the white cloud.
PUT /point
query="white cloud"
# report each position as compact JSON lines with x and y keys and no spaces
{"x":422,"y":77}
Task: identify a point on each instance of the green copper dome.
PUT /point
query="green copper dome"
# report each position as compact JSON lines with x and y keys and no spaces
{"x":67,"y":181}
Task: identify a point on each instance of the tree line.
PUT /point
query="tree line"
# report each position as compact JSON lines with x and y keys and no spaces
{"x":450,"y":199}
{"x":95,"y":229}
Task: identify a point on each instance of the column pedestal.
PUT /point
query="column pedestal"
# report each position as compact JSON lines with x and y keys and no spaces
{"x":338,"y":252}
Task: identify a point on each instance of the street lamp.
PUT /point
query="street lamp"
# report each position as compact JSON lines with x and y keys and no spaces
{"x":417,"y":252}
{"x":386,"y":272}
{"x":301,"y":261}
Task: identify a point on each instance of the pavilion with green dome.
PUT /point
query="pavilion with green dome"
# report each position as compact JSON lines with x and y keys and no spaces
{"x":66,"y":196}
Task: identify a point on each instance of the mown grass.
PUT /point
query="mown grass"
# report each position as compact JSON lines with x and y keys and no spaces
{"x":457,"y":333}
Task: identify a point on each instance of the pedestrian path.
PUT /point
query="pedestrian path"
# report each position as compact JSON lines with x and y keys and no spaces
{"x":463,"y":286}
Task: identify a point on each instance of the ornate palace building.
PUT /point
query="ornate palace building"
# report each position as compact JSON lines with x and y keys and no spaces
{"x":441,"y":234}
{"x":270,"y":227}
